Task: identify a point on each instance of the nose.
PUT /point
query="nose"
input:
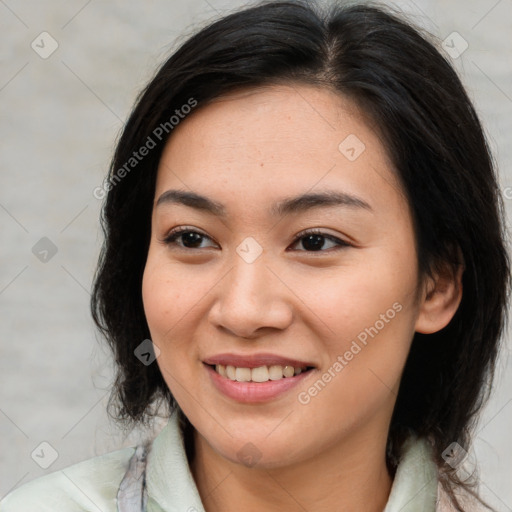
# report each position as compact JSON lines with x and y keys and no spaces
{"x":251,"y":300}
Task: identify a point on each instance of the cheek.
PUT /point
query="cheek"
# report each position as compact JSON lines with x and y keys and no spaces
{"x":168,"y":294}
{"x":166,"y":304}
{"x":173,"y":296}
{"x":157,"y":291}
{"x":353,"y":296}
{"x":364,"y":355}
{"x":367,"y":314}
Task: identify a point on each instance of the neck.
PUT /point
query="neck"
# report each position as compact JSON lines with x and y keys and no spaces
{"x":350,"y":476}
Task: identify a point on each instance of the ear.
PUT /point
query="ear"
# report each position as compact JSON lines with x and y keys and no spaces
{"x":441,"y":297}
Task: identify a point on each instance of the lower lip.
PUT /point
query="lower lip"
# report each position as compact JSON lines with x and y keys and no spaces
{"x":254,"y":392}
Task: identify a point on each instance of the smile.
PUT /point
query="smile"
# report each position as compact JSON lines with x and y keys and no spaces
{"x":241,"y":384}
{"x":259,"y":374}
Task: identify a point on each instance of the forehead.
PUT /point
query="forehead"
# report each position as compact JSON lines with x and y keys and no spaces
{"x":273,"y":140}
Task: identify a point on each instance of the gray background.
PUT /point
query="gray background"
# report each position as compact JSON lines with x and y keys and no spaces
{"x":59,"y":118}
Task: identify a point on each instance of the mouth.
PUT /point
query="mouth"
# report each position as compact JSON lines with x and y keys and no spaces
{"x":256,"y":378}
{"x":259,"y":374}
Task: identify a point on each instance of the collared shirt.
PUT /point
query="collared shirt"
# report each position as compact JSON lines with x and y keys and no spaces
{"x":93,"y":485}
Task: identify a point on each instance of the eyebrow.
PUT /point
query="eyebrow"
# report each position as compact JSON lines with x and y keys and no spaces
{"x":297,"y":204}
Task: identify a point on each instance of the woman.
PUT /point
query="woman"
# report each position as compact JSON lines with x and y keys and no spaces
{"x":303,"y":217}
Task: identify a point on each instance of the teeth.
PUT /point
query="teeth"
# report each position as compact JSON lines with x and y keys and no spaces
{"x":243,"y":374}
{"x":288,"y":371}
{"x":230,"y":372}
{"x":275,"y":372}
{"x":260,"y":374}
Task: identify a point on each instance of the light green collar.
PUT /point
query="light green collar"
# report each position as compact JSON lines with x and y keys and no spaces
{"x":415,"y":485}
{"x":171,"y":486}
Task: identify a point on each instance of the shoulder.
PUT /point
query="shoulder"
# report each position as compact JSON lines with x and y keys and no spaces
{"x":90,"y":485}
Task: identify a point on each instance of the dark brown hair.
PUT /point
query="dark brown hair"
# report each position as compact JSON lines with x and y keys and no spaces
{"x":436,"y":143}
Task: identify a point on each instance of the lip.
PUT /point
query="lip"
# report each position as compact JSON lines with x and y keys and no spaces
{"x":255,"y":361}
{"x":254,"y":392}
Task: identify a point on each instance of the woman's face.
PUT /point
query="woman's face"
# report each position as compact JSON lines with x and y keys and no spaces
{"x":248,"y":287}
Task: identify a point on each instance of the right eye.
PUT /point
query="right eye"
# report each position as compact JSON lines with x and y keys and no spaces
{"x":189,"y":238}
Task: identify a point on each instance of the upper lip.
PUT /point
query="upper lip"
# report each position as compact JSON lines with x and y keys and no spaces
{"x":255,"y":360}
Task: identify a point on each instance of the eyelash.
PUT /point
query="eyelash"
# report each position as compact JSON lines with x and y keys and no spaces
{"x":171,"y":238}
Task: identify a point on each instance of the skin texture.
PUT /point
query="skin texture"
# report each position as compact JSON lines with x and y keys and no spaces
{"x":248,"y":150}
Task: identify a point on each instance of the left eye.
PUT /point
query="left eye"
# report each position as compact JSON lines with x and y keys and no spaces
{"x":312,"y":241}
